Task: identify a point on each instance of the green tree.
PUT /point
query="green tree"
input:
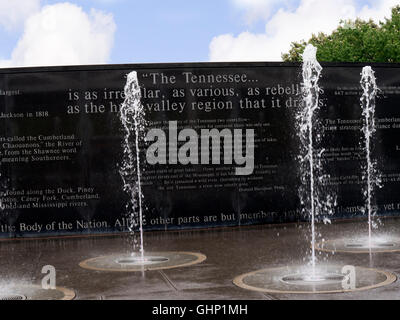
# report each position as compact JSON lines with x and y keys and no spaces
{"x":355,"y":41}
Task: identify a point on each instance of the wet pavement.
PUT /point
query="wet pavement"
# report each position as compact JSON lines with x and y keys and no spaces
{"x":230,"y":252}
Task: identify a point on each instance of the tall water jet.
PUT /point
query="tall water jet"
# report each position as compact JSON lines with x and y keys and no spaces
{"x":134,"y":125}
{"x":371,"y":179}
{"x":311,"y":72}
{"x":132,"y":118}
{"x":370,"y":175}
{"x":317,"y":201}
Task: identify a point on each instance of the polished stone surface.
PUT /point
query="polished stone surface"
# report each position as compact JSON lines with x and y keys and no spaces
{"x":230,"y":252}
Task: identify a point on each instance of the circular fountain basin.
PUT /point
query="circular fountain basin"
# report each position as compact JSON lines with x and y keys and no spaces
{"x":34,"y":292}
{"x":325,"y":279}
{"x":150,"y":261}
{"x":362,"y":245}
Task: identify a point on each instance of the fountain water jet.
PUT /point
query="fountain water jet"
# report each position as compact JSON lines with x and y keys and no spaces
{"x":315,"y":198}
{"x":313,"y":201}
{"x":311,"y":73}
{"x":133,"y":121}
{"x":370,"y":175}
{"x":132,"y":118}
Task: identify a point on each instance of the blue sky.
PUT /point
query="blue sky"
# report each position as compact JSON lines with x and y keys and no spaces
{"x":50,"y":32}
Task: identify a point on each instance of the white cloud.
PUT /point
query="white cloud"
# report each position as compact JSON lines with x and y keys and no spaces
{"x":256,"y":9}
{"x":379,"y":10}
{"x":245,"y":47}
{"x":286,"y":26}
{"x":63,"y":34}
{"x":107,"y":1}
{"x":5,"y":63}
{"x":14,"y":12}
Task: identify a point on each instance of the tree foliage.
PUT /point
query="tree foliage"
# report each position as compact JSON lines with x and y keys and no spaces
{"x":355,"y":41}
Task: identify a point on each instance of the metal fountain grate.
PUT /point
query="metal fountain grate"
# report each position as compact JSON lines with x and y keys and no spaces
{"x":386,"y":245}
{"x":138,"y":260}
{"x":318,"y":279}
{"x":305,"y":278}
{"x":354,"y":245}
{"x":12,"y":297}
{"x":359,"y":245}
